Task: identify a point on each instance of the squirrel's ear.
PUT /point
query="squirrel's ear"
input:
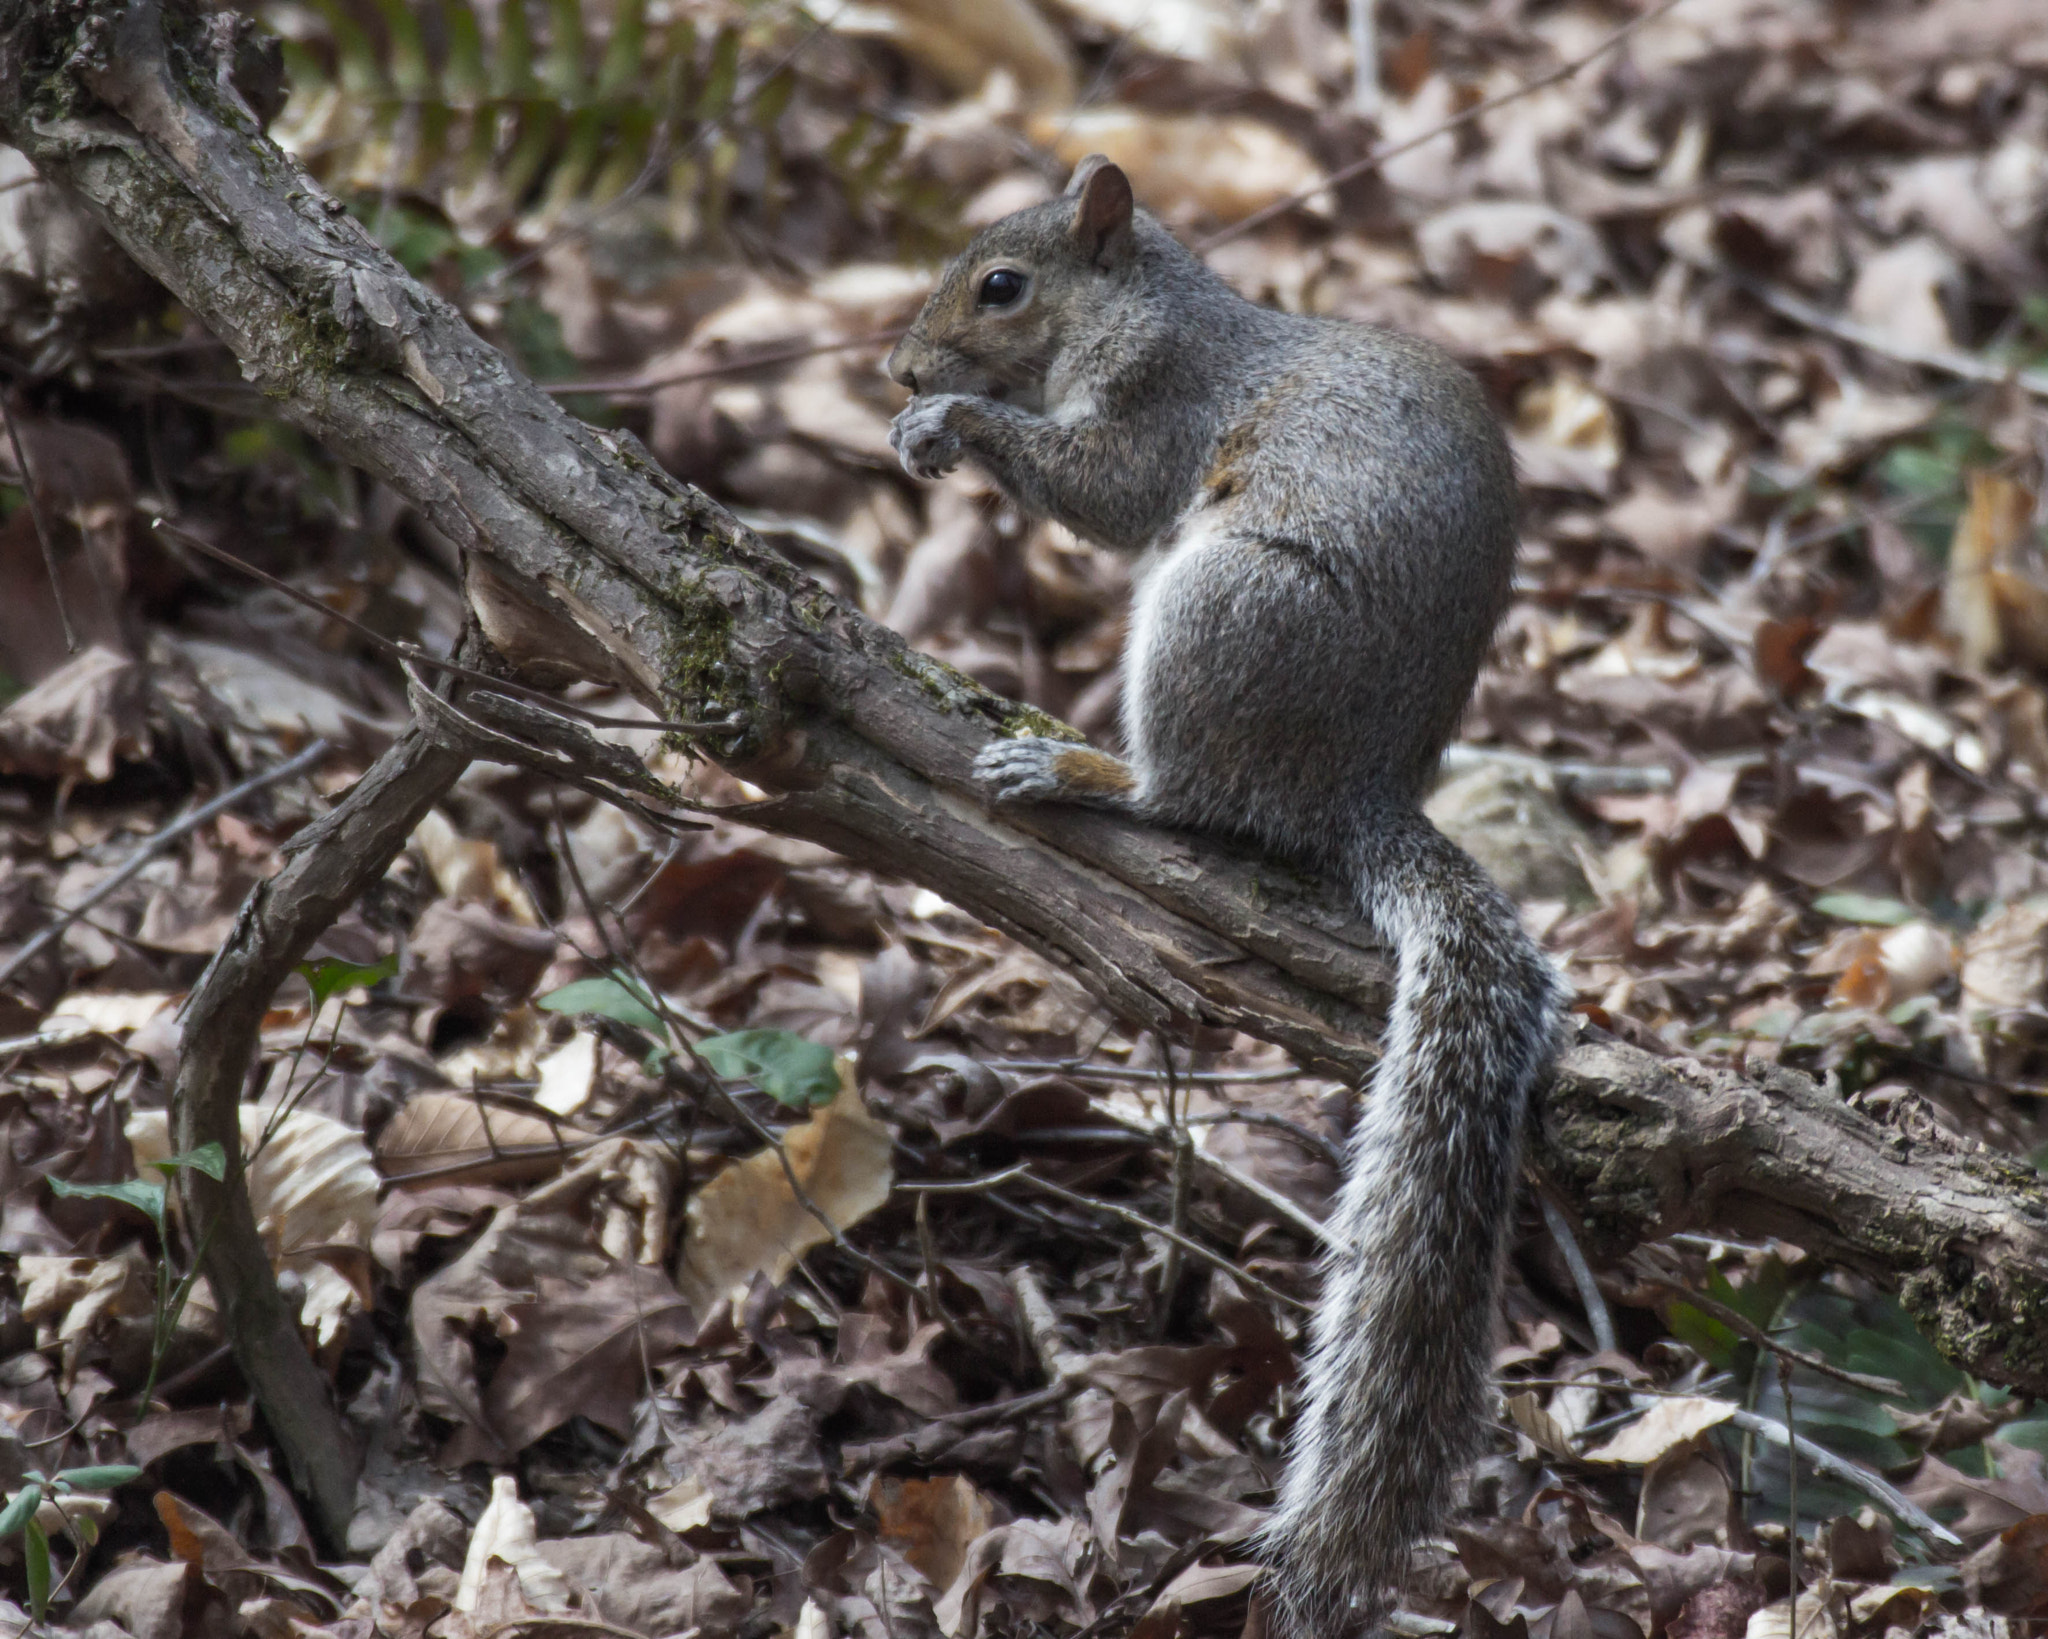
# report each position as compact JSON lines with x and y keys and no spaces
{"x":1102,"y":209}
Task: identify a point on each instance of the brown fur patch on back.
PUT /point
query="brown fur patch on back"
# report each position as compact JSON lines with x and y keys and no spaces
{"x":1224,"y":477}
{"x":1095,"y":773}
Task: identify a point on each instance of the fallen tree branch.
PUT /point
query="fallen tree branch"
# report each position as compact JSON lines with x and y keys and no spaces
{"x":584,"y":558}
{"x":326,"y":869}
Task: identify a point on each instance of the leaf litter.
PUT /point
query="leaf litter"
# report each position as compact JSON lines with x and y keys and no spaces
{"x":1762,"y":750}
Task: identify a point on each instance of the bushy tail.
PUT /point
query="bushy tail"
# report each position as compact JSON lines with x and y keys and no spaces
{"x":1398,"y":1375}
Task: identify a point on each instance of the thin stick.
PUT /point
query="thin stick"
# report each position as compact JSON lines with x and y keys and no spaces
{"x":633,"y":386}
{"x":1591,"y":1298}
{"x":1172,"y":1138}
{"x":156,"y":845}
{"x":42,"y":526}
{"x":412,"y":654}
{"x":1873,"y":340}
{"x":1379,"y":156}
{"x":1116,"y":1072}
{"x":1791,"y":1492}
{"x":1365,"y":59}
{"x":1584,"y":776}
{"x":1742,"y":1324}
{"x":1182,"y":1148}
{"x":1024,"y":1175}
{"x":1826,"y":1462}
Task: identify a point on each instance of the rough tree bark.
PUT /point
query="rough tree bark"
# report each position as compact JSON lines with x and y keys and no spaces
{"x":586,"y":558}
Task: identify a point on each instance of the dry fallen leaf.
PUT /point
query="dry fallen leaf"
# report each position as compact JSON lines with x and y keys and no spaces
{"x":1185,"y":166}
{"x":457,"y":1138}
{"x":933,"y":1521}
{"x":505,"y":1530}
{"x":746,"y":1222}
{"x":1670,"y":1422}
{"x":2005,"y":966}
{"x":581,"y":1327}
{"x":77,"y":722}
{"x":964,"y":45}
{"x":313,"y":1189}
{"x":1994,"y":600}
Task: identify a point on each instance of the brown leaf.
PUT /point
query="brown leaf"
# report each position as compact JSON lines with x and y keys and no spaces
{"x":2009,"y":1574}
{"x":1989,"y":1506}
{"x":746,"y":1221}
{"x":1993,"y":605}
{"x":581,"y":1327}
{"x":1686,"y":1499}
{"x":932,"y":1521}
{"x":149,"y":1599}
{"x":78,"y":721}
{"x":628,"y":1583}
{"x":462,"y":1139}
{"x":461,"y":951}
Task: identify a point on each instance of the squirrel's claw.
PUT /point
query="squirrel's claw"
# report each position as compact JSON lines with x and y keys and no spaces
{"x":1021,"y":770}
{"x":923,"y":439}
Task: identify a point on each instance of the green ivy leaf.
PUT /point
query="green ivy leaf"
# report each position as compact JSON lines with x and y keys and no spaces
{"x":144,"y":1197}
{"x":610,"y":997}
{"x":210,"y":1159}
{"x":802,"y":1074}
{"x":21,"y":1510}
{"x":99,"y":1476}
{"x":38,"y":1557}
{"x":330,"y":976}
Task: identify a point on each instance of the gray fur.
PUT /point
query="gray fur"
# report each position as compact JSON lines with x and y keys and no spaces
{"x":1328,"y":513}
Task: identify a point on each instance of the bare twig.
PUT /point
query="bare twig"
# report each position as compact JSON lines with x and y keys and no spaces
{"x":156,"y":844}
{"x":1591,"y":1298}
{"x":1041,"y":1325}
{"x":412,"y":654}
{"x":1457,"y":122}
{"x":1824,"y":1461}
{"x":1747,"y":1328}
{"x":1081,"y":1070}
{"x":1171,"y":1137}
{"x":1872,"y":340}
{"x":1130,"y":1215}
{"x":634,"y":386}
{"x":1365,"y":58}
{"x":1582,"y":776}
{"x":44,"y":538}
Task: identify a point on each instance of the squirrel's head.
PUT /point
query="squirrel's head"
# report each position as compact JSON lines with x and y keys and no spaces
{"x":995,"y":323}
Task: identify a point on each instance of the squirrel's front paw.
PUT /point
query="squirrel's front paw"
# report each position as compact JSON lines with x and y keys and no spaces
{"x":923,"y":438}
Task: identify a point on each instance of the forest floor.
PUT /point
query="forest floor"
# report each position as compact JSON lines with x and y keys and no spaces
{"x":1762,"y":751}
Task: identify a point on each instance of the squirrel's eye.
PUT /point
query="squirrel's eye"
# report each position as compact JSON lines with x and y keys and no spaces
{"x":1001,"y":287}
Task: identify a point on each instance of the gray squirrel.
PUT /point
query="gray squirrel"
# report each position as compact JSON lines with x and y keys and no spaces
{"x":1328,"y":513}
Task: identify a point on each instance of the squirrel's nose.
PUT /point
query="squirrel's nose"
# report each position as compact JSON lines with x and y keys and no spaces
{"x":899,"y":367}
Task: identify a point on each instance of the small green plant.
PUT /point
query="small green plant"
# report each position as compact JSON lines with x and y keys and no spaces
{"x":148,"y":1197}
{"x":66,"y":1484}
{"x":790,"y":1069}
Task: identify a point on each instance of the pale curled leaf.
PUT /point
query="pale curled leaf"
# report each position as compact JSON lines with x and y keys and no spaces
{"x":505,"y":1531}
{"x":312,"y":1188}
{"x":1669,"y":1423}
